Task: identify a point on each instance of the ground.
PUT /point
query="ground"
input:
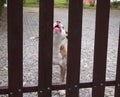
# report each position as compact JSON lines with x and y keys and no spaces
{"x":30,"y":48}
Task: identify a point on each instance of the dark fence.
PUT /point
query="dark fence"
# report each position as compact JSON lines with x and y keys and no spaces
{"x":15,"y":51}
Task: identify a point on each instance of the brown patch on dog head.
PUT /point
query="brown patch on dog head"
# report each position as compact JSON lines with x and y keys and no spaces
{"x":66,"y":34}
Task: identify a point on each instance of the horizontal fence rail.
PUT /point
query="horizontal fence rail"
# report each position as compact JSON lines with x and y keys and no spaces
{"x":58,"y":87}
{"x":44,"y":89}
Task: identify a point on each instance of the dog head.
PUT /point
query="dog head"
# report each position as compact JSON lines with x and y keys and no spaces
{"x":59,"y":29}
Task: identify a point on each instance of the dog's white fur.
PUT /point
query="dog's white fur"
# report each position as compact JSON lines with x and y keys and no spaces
{"x":59,"y":47}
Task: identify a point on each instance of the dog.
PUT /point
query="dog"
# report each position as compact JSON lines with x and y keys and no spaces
{"x":59,"y":47}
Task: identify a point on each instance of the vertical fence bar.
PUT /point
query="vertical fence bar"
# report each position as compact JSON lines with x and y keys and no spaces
{"x":45,"y":47}
{"x":74,"y":47}
{"x":100,"y":54}
{"x":117,"y":87}
{"x":15,"y":47}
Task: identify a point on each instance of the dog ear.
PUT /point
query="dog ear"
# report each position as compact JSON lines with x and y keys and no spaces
{"x":66,"y":34}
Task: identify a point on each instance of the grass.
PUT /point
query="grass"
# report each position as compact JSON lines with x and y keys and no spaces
{"x":61,"y":3}
{"x":31,"y":3}
{"x":86,"y":6}
{"x":57,"y":3}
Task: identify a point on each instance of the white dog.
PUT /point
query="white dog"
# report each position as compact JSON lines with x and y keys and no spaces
{"x":59,"y":47}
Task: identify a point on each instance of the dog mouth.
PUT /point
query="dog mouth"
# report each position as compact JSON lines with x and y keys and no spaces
{"x":57,"y":28}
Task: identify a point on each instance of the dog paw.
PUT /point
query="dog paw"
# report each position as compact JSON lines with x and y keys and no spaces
{"x":61,"y":92}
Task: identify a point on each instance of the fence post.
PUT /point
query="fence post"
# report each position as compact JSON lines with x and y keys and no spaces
{"x":15,"y":47}
{"x":45,"y":48}
{"x":100,"y":54}
{"x":117,"y":86}
{"x":74,"y":47}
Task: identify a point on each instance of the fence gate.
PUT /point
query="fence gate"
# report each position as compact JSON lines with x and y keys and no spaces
{"x":15,"y":51}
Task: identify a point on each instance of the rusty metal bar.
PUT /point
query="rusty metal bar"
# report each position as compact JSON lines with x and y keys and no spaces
{"x":100,"y":54}
{"x":45,"y":47}
{"x":117,"y":86}
{"x":74,"y":47}
{"x":15,"y":47}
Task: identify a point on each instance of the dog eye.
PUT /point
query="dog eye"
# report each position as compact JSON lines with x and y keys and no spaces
{"x":58,"y":22}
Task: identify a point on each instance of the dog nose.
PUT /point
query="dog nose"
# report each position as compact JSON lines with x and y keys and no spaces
{"x":58,"y":22}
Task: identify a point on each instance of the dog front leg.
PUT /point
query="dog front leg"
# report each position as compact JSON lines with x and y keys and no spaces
{"x":63,"y":72}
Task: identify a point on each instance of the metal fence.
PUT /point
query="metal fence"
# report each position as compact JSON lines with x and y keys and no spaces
{"x":15,"y":51}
